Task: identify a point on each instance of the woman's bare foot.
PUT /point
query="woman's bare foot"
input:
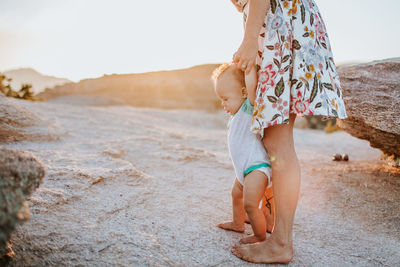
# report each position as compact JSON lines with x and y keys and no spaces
{"x":268,"y":251}
{"x":231,"y":226}
{"x":251,"y":239}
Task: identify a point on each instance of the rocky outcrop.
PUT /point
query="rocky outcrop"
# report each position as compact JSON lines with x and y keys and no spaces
{"x":38,"y":81}
{"x":190,"y":88}
{"x":20,"y":174}
{"x":19,"y":124}
{"x":372,"y":96}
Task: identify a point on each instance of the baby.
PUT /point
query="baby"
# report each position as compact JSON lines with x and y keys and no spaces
{"x":250,"y":160}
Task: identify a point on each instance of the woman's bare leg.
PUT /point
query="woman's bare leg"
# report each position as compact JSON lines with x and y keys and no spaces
{"x":278,"y":248}
{"x":268,"y":208}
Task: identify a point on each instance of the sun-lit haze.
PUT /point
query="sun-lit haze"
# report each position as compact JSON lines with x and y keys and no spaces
{"x":79,"y":39}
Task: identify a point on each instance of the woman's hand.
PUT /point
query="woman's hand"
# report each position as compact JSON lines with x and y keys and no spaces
{"x":245,"y":56}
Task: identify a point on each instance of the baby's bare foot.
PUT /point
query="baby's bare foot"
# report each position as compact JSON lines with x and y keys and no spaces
{"x":231,"y":226}
{"x":251,"y":239}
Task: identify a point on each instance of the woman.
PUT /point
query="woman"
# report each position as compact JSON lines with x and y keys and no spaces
{"x":286,"y":41}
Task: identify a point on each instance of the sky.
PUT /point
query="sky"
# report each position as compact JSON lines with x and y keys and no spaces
{"x":79,"y":39}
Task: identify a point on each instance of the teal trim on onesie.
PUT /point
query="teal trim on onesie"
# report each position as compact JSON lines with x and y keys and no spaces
{"x":247,"y":107}
{"x":255,"y":167}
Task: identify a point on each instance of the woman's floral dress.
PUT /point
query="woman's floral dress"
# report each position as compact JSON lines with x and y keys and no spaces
{"x":296,"y":71}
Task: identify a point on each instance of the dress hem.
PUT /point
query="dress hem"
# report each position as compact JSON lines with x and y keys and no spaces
{"x":260,"y":130}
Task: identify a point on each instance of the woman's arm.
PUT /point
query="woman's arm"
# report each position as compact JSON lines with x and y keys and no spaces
{"x":246,"y":55}
{"x":251,"y":81}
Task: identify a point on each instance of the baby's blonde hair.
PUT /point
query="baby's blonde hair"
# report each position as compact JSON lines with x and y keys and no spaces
{"x":237,"y":73}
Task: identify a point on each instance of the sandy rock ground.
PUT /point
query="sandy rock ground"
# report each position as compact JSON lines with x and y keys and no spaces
{"x":146,"y":187}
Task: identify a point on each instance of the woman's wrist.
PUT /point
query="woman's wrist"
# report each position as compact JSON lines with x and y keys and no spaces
{"x":252,"y":30}
{"x":250,"y":42}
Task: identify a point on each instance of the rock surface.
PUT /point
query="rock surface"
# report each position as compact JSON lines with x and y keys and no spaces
{"x":372,"y":96}
{"x":20,"y":174}
{"x":134,"y":186}
{"x":18,"y":123}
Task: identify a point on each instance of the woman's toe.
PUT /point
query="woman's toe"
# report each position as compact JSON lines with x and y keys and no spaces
{"x":236,"y":253}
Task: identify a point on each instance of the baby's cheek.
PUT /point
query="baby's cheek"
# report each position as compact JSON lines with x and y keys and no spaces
{"x":236,"y":107}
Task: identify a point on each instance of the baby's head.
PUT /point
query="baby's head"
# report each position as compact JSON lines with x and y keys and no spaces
{"x":229,"y":85}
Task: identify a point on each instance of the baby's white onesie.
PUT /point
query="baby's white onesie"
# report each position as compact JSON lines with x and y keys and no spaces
{"x":246,"y":148}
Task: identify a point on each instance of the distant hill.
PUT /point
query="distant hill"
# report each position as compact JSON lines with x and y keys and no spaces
{"x":184,"y":88}
{"x":39,"y":81}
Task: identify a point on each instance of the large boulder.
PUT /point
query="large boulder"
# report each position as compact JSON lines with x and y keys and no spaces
{"x":20,"y":174}
{"x":371,"y":94}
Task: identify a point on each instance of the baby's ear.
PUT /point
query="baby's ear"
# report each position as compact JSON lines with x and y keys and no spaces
{"x":244,"y":92}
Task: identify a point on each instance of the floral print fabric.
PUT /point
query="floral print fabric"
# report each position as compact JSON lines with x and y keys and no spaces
{"x":296,"y":70}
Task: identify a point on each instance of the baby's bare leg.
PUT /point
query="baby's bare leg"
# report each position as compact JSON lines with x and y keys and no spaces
{"x":239,"y":214}
{"x":268,"y":208}
{"x":253,"y":190}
